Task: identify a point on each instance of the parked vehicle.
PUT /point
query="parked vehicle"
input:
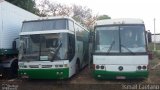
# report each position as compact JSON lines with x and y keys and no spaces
{"x":120,"y":49}
{"x":11,"y":18}
{"x":52,"y":48}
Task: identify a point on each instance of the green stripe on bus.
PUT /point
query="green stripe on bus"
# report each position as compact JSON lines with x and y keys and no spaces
{"x":99,"y":74}
{"x":62,"y":73}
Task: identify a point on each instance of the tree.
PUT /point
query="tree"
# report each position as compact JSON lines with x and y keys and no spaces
{"x":28,"y":5}
{"x":84,"y":15}
{"x":101,"y":17}
{"x":79,"y":13}
{"x":46,"y":8}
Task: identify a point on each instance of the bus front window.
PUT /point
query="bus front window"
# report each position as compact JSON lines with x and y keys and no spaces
{"x":42,"y":25}
{"x":47,"y":47}
{"x":29,"y":47}
{"x":107,"y":39}
{"x":132,"y":38}
{"x":53,"y":47}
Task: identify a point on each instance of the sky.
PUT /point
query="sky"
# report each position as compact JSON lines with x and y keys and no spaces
{"x":146,"y":10}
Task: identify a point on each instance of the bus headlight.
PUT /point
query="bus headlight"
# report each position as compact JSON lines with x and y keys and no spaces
{"x":25,"y":66}
{"x":22,"y":66}
{"x":102,"y":67}
{"x":97,"y":66}
{"x":60,"y":65}
{"x":139,"y":67}
{"x":65,"y":65}
{"x":56,"y":66}
{"x":144,"y":67}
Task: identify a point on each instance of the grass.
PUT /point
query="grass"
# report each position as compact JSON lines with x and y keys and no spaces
{"x":151,"y":46}
{"x":154,"y":62}
{"x":154,"y":76}
{"x":155,"y":53}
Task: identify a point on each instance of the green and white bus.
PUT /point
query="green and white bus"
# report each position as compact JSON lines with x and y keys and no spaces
{"x":52,"y":48}
{"x":120,"y":49}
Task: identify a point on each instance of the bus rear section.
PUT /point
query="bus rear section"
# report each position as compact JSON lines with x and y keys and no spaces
{"x":120,"y":49}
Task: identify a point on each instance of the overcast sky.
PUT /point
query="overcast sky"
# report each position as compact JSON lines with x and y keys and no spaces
{"x":143,"y":9}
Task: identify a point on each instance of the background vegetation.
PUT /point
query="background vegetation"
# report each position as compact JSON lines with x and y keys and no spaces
{"x":82,"y":14}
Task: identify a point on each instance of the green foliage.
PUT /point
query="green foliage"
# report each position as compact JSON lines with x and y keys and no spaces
{"x":28,"y":5}
{"x":101,"y":17}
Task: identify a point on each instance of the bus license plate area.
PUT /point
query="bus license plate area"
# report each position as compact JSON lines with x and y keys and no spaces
{"x":25,"y":76}
{"x":120,"y":77}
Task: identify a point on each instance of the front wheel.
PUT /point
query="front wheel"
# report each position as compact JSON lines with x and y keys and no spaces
{"x":77,"y":67}
{"x":14,"y":69}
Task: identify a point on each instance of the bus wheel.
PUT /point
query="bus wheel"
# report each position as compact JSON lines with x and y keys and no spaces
{"x":14,"y":69}
{"x":77,"y":66}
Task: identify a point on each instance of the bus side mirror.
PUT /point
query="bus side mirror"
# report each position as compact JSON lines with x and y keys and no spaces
{"x":14,"y":45}
{"x":149,"y":36}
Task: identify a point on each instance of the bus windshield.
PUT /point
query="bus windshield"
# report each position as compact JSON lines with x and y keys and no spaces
{"x":41,"y":25}
{"x":107,"y":39}
{"x":48,"y":47}
{"x":133,"y":38}
{"x":120,"y":39}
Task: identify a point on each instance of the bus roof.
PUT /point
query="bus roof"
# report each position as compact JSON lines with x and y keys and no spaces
{"x":55,"y":17}
{"x":45,"y":18}
{"x":119,"y":21}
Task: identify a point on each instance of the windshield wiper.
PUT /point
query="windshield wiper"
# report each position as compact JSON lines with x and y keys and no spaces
{"x":113,"y":42}
{"x":56,"y":51}
{"x":127,"y":49}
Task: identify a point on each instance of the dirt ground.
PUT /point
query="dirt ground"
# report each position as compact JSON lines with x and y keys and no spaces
{"x":85,"y":81}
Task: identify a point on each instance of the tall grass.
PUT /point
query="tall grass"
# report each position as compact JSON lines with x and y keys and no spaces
{"x":156,"y":53}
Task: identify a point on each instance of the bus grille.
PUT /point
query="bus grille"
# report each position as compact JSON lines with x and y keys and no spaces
{"x":46,"y":66}
{"x":33,"y":66}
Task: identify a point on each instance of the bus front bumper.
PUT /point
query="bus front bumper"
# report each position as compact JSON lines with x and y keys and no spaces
{"x":99,"y":74}
{"x":61,"y":73}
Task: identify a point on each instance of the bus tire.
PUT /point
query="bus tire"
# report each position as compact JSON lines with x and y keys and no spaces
{"x":77,"y":66}
{"x":14,"y":68}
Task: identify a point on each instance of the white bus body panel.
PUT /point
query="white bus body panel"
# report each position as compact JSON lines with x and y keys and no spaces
{"x":129,"y":63}
{"x":11,"y":18}
{"x":119,"y":21}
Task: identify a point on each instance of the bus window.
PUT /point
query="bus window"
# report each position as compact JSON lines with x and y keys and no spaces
{"x":51,"y":43}
{"x":133,"y":38}
{"x":57,"y":24}
{"x":107,"y":38}
{"x":71,"y":46}
{"x":71,"y":25}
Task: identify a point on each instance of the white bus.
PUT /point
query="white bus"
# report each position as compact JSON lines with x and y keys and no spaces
{"x":120,"y":49}
{"x":52,"y":48}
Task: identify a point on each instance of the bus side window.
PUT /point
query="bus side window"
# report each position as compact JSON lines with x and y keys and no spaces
{"x":71,"y":25}
{"x":71,"y":46}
